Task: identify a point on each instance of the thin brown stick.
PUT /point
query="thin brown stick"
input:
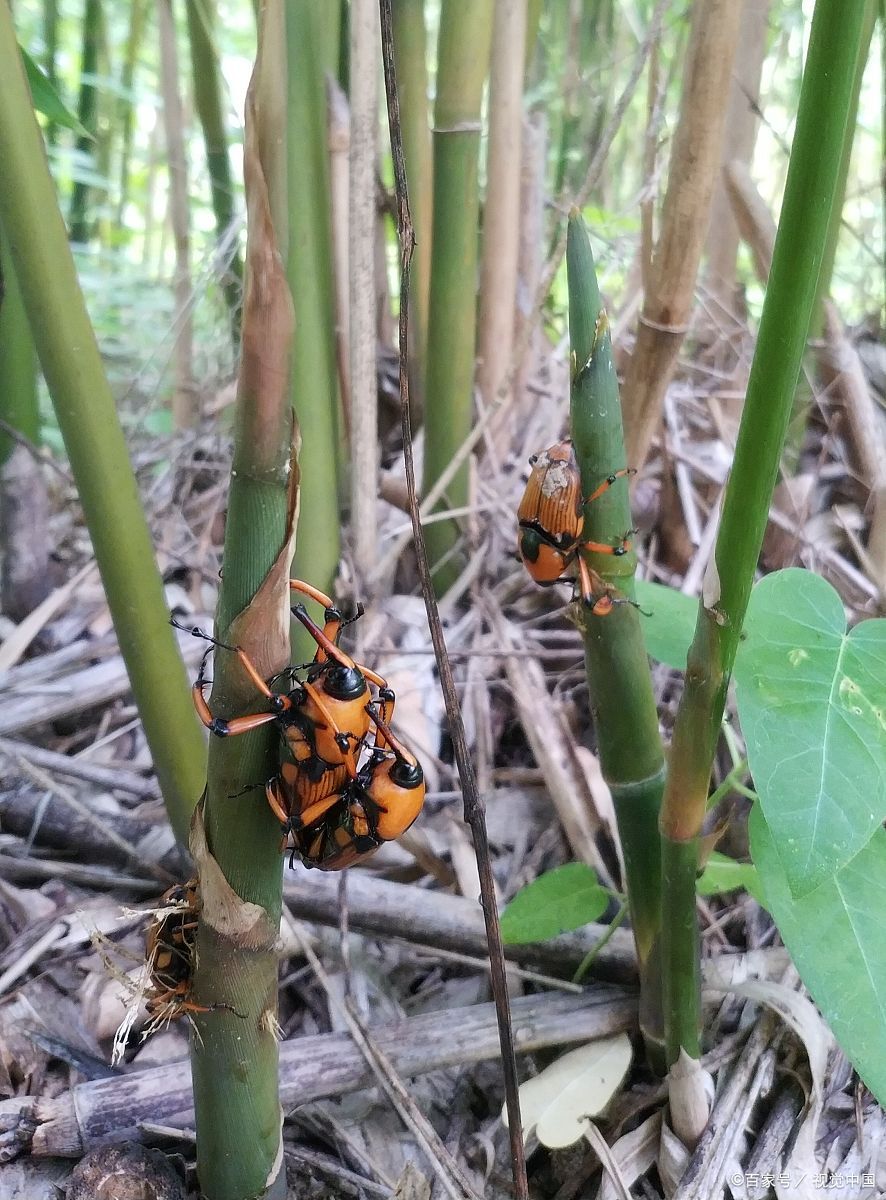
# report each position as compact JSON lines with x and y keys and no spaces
{"x":473,"y":809}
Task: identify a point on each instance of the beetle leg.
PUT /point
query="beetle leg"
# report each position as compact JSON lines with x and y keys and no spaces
{"x":277,"y":802}
{"x":601,"y":602}
{"x":313,"y":812}
{"x":608,"y":482}
{"x":386,"y":697}
{"x":307,"y":589}
{"x":620,"y":548}
{"x":219,"y":726}
{"x":236,"y":725}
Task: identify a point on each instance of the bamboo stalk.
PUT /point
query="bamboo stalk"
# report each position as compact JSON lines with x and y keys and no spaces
{"x":830,"y":250}
{"x":50,"y":50}
{"x":810,"y":194}
{"x":462,"y":63}
{"x":235,"y":838}
{"x":86,"y":114}
{"x":125,"y":103}
{"x":339,"y":133}
{"x":208,"y":100}
{"x":693,"y":169}
{"x":364,"y":56}
{"x":410,"y":60}
{"x":311,"y":49}
{"x":18,"y":363}
{"x":105,"y":133}
{"x":739,"y":136}
{"x":533,"y":159}
{"x":88,"y":420}
{"x":501,"y":223}
{"x":184,"y":407}
{"x":622,"y":700}
{"x":24,"y":500}
{"x":804,"y":399}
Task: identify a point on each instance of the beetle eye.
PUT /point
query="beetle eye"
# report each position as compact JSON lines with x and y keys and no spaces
{"x":533,"y":459}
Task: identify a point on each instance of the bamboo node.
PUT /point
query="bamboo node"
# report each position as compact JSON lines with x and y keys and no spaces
{"x":659,"y":327}
{"x":459,"y":127}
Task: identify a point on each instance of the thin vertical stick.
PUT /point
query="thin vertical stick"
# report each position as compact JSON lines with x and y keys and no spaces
{"x":473,"y":809}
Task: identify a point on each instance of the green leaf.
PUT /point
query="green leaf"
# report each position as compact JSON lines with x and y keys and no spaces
{"x":563,"y":899}
{"x":47,"y":100}
{"x":812,"y":703}
{"x":724,"y":874}
{"x":668,"y":622}
{"x":836,"y":936}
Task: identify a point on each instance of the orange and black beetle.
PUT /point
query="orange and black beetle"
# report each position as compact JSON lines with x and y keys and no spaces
{"x":323,"y":718}
{"x":551,"y":523}
{"x":378,"y":805}
{"x":336,"y":810}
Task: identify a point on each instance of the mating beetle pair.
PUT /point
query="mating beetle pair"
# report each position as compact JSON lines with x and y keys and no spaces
{"x":334,"y":809}
{"x":551,"y":523}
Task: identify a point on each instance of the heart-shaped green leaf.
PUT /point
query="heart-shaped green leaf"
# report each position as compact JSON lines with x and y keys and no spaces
{"x":836,"y":935}
{"x":812,"y":703}
{"x":668,"y":619}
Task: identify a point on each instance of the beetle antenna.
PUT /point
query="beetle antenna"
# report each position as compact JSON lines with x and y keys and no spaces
{"x":197,"y":632}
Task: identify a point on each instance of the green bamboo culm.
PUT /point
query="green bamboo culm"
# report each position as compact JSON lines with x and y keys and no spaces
{"x":810,"y":194}
{"x":410,"y":59}
{"x":312,"y":48}
{"x":462,"y":64}
{"x":18,"y":360}
{"x":825,"y":275}
{"x":208,"y":101}
{"x":50,"y":49}
{"x":96,"y":448}
{"x":235,"y":1055}
{"x":622,"y":699}
{"x":804,"y":398}
{"x":87,"y":111}
{"x":125,"y":116}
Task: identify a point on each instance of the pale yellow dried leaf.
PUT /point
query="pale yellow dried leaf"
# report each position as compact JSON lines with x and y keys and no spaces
{"x":557,"y":1103}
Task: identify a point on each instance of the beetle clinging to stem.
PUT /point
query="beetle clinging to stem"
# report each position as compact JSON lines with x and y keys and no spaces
{"x":551,"y":524}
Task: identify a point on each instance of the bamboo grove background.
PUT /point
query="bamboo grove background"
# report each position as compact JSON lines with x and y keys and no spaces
{"x":526,"y":127}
